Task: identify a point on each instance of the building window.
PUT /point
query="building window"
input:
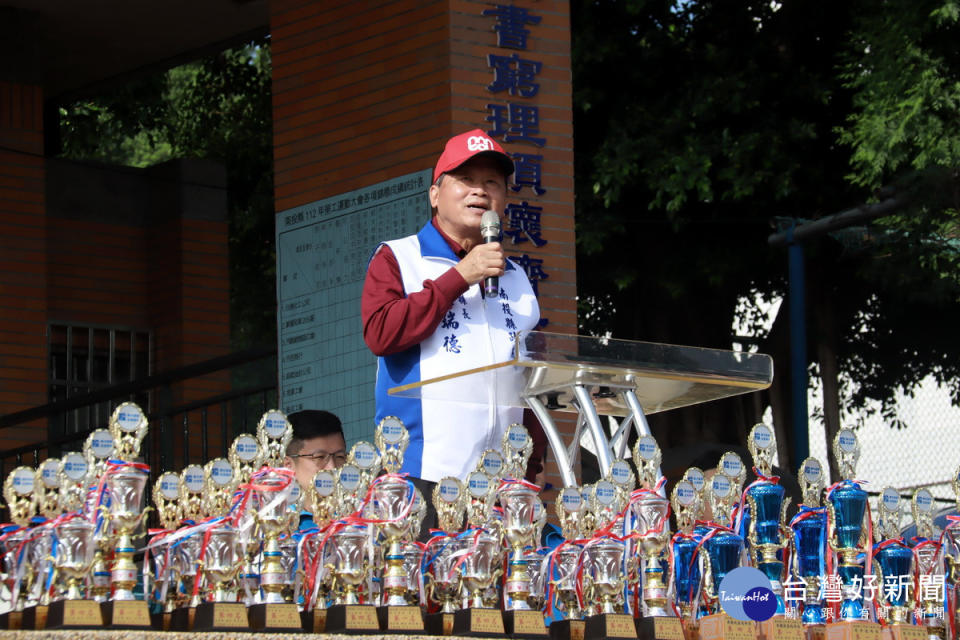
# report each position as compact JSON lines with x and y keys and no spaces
{"x":84,"y":359}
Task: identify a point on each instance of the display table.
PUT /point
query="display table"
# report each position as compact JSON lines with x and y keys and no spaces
{"x":192,"y":635}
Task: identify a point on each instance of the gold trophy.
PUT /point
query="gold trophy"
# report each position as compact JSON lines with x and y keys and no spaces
{"x":321,"y":502}
{"x":274,"y":433}
{"x":47,"y":495}
{"x":191,"y":487}
{"x":392,"y":501}
{"x":517,"y":447}
{"x":125,"y":484}
{"x":74,"y":473}
{"x":98,"y":448}
{"x":367,"y":459}
{"x":893,"y":559}
{"x":694,"y":475}
{"x":603,"y":569}
{"x":221,"y":562}
{"x":246,"y":457}
{"x":19,"y":494}
{"x":569,"y":507}
{"x":128,"y":426}
{"x":449,"y":500}
{"x":219,"y":484}
{"x":927,"y":553}
{"x":47,"y":482}
{"x":166,"y":494}
{"x":685,"y":500}
{"x":351,"y":489}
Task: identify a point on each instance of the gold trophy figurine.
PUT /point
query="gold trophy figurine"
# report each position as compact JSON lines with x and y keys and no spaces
{"x":166,"y":501}
{"x":192,"y":488}
{"x":274,"y":432}
{"x":491,"y":462}
{"x":246,"y":456}
{"x":74,"y":474}
{"x":366,"y":457}
{"x":47,"y":482}
{"x":20,"y":495}
{"x":98,"y":448}
{"x":128,"y":426}
{"x":517,"y":447}
{"x":449,"y":500}
{"x":219,"y":483}
{"x":927,"y":553}
{"x":481,"y":493}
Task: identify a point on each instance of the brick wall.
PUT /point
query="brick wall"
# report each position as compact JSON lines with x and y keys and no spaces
{"x":367,"y":91}
{"x":23,"y":239}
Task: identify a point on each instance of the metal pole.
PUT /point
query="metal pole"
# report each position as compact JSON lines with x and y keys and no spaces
{"x":798,"y":349}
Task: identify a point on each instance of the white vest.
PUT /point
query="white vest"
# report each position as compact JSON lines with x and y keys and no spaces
{"x":452,"y":423}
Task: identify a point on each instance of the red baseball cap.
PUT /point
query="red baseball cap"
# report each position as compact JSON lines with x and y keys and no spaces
{"x":468,"y":145}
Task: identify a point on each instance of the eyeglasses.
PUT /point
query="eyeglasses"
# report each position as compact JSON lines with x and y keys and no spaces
{"x":321,"y":457}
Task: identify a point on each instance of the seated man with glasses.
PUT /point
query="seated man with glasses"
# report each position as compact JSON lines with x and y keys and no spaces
{"x":317,"y":443}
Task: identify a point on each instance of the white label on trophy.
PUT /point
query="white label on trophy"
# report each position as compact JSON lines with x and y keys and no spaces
{"x":23,"y":478}
{"x":720,"y":485}
{"x":392,"y":429}
{"x":571,"y":499}
{"x":323,"y":483}
{"x":128,"y":417}
{"x":812,"y":471}
{"x":731,"y":465}
{"x":517,"y":436}
{"x":169,"y":485}
{"x":647,"y":447}
{"x":294,"y":493}
{"x":349,"y":477}
{"x":364,"y":454}
{"x":621,"y":473}
{"x":123,"y":575}
{"x":246,"y":447}
{"x":449,"y":490}
{"x":221,"y":472}
{"x":275,"y":424}
{"x":49,"y":473}
{"x":75,"y":466}
{"x":101,"y":444}
{"x":762,"y":437}
{"x":686,"y":493}
{"x":586,"y":493}
{"x":695,"y":476}
{"x":847,"y":440}
{"x":492,"y":462}
{"x":193,"y":478}
{"x":604,"y":493}
{"x":891,"y":499}
{"x":478,"y":484}
{"x":537,"y":509}
{"x":271,"y":578}
{"x":924,"y":500}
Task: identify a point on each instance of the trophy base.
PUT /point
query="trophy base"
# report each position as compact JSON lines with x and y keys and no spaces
{"x":74,"y":614}
{"x":720,"y":626}
{"x":780,"y":628}
{"x":478,"y":623}
{"x":610,"y":625}
{"x":524,"y":624}
{"x":352,"y":618}
{"x":274,"y":617}
{"x":161,"y":621}
{"x":314,"y":621}
{"x":439,"y":624}
{"x":400,"y":619}
{"x":567,"y":629}
{"x":35,"y":617}
{"x":903,"y":632}
{"x":221,"y":616}
{"x":182,"y":618}
{"x":126,"y":614}
{"x":815,"y":632}
{"x":853,"y":630}
{"x":659,"y":628}
{"x":11,"y":620}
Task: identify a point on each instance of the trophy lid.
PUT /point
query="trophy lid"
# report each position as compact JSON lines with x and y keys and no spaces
{"x":491,"y":462}
{"x":846,"y":450}
{"x":192,"y":479}
{"x":695,"y":476}
{"x":812,"y":481}
{"x":129,"y":418}
{"x":74,"y":467}
{"x":167,"y":487}
{"x":99,"y":444}
{"x":49,"y":473}
{"x":365,"y":456}
{"x":622,"y":475}
{"x":731,"y":465}
{"x":324,"y":483}
{"x":479,"y":485}
{"x":220,"y":472}
{"x":647,"y":457}
{"x":762,"y":444}
{"x":449,"y":490}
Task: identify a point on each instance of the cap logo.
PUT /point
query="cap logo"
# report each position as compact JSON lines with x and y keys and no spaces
{"x":479,"y":143}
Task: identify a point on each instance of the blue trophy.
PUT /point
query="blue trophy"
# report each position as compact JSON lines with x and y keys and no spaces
{"x":810,"y":541}
{"x":847,"y":507}
{"x":723,"y":546}
{"x":767,"y":511}
{"x":686,"y":566}
{"x":894,"y":559}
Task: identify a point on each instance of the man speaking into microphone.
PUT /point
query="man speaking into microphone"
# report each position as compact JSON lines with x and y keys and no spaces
{"x":425,"y":313}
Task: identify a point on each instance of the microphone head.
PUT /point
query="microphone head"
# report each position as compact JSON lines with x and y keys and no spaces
{"x":489,"y":224}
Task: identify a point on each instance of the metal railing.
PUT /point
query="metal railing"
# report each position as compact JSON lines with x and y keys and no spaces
{"x":177,"y":435}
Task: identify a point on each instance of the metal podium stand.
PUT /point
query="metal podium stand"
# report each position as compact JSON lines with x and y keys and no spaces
{"x":601,"y":376}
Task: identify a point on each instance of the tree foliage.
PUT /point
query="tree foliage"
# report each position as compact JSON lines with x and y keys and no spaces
{"x":219,"y":108}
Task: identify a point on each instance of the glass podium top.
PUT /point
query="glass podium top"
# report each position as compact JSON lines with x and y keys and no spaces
{"x":549,"y":365}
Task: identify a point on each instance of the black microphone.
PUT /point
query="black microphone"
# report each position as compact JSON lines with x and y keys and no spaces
{"x":490,"y":230}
